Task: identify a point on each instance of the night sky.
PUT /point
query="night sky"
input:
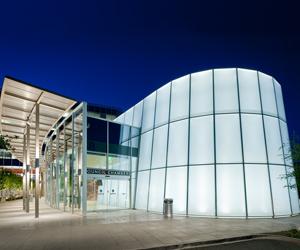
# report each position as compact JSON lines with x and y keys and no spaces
{"x":117,"y":52}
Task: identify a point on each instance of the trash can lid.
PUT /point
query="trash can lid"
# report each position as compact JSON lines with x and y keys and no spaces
{"x":168,"y":200}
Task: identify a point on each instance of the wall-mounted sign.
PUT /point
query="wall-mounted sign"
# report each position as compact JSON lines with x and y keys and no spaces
{"x":98,"y":171}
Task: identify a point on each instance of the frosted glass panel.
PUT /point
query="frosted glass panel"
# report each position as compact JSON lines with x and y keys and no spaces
{"x":176,"y":188}
{"x":201,"y":93}
{"x":148,"y":112}
{"x":258,"y":190}
{"x":202,"y":190}
{"x":145,"y":150}
{"x":249,"y":91}
{"x":279,"y":99}
{"x":180,"y":98}
{"x":228,"y":139}
{"x":294,"y":197}
{"x":160,"y":147}
{"x":267,"y":94}
{"x":279,"y":190}
{"x":286,"y":143}
{"x":230,"y":188}
{"x":178,"y":143}
{"x":137,"y":116}
{"x":156,"y":195}
{"x":202,"y":140}
{"x":253,"y":139}
{"x":273,"y":140}
{"x":226,"y":98}
{"x":142,"y":190}
{"x":162,"y":105}
{"x":128,"y":117}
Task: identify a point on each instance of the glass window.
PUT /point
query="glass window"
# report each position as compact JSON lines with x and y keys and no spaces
{"x":96,"y":135}
{"x":178,"y":143}
{"x":145,"y":150}
{"x":201,"y":93}
{"x":279,"y":190}
{"x":156,"y":194}
{"x":180,"y":98}
{"x":249,"y":91}
{"x":142,"y":190}
{"x":267,"y":94}
{"x":230,"y":188}
{"x":160,"y":147}
{"x":286,"y":143}
{"x":148,"y":112}
{"x":96,"y":160}
{"x":129,"y":116}
{"x":273,"y":140}
{"x":226,"y":98}
{"x":202,"y":190}
{"x":258,"y":190}
{"x":228,"y":139}
{"x":176,"y":188}
{"x":162,"y":105}
{"x":202,"y":140}
{"x":137,"y":115}
{"x":279,"y":99}
{"x":134,"y":152}
{"x":253,"y":139}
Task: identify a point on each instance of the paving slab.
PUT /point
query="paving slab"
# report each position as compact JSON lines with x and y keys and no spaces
{"x":120,"y":229}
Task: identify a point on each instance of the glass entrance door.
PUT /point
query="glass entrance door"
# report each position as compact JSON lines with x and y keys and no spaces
{"x":108,"y":194}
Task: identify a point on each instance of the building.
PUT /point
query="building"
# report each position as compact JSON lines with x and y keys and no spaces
{"x":215,"y":141}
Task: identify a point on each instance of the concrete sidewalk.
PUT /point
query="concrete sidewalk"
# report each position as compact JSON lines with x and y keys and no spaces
{"x":127,"y":229}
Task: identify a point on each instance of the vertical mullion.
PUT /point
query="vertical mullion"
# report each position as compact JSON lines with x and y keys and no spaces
{"x":282,"y":149}
{"x":84,"y":159}
{"x":168,"y":132}
{"x":215,"y":153}
{"x":72,"y":163}
{"x":188,"y":151}
{"x":266,"y":146}
{"x":151,"y":157}
{"x":242,"y":143}
{"x":65,"y":172}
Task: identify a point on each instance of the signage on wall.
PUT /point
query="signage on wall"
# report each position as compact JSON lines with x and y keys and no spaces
{"x":98,"y":171}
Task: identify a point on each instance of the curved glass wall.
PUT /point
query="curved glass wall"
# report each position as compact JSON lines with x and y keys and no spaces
{"x":217,"y":143}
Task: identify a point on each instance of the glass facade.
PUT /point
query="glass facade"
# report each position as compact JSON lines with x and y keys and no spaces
{"x":217,"y":143}
{"x":91,"y":163}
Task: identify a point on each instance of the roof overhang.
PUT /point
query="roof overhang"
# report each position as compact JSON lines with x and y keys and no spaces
{"x":17,"y":108}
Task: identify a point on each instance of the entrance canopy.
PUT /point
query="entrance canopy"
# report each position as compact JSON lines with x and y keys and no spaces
{"x":18,"y":108}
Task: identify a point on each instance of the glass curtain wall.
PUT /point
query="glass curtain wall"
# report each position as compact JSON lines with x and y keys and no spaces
{"x":217,"y":143}
{"x":112,"y":151}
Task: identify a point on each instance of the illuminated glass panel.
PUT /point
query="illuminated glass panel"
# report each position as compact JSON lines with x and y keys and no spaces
{"x":156,"y":195}
{"x":279,"y":190}
{"x":202,"y":190}
{"x":178,"y":143}
{"x":160,"y":147}
{"x":228,"y":139}
{"x":253,"y":139}
{"x":148,"y":112}
{"x":226,"y":95}
{"x":202,"y":140}
{"x":180,"y":98}
{"x":279,"y":99}
{"x":201,"y":93}
{"x":230,"y":188}
{"x":273,"y":140}
{"x":267,"y":94}
{"x":142,"y":190}
{"x":162,"y":105}
{"x":258,"y":190}
{"x":249,"y":91}
{"x":145,"y":150}
{"x":176,"y":188}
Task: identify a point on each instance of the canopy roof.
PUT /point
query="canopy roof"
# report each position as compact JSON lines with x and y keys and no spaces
{"x":17,"y":108}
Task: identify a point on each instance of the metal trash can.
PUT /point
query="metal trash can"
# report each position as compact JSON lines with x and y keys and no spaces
{"x":168,"y":208}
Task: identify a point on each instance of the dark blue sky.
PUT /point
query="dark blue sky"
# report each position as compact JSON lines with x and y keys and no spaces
{"x":117,"y":52}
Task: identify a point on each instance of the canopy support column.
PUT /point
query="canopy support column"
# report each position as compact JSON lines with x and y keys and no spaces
{"x":37,"y":159}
